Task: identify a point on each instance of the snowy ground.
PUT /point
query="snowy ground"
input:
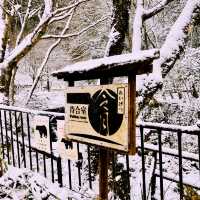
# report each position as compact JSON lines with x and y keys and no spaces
{"x":46,"y":100}
{"x":42,"y":100}
{"x":20,"y":184}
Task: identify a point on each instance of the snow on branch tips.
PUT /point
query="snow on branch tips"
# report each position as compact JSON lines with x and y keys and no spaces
{"x":64,"y":12}
{"x":24,"y":21}
{"x":148,"y":13}
{"x":46,"y":13}
{"x":32,"y":38}
{"x":77,"y":33}
{"x":64,"y":9}
{"x":47,"y":55}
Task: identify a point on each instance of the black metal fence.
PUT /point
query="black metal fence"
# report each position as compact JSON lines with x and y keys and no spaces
{"x":167,"y":163}
{"x":178,"y":146}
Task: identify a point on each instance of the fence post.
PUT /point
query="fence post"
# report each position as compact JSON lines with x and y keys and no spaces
{"x":103,"y":174}
{"x":59,"y":170}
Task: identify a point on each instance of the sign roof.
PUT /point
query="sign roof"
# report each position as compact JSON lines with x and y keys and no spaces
{"x":113,"y":66}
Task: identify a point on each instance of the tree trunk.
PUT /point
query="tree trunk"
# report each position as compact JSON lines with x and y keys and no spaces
{"x":12,"y":87}
{"x":120,"y":27}
{"x":5,"y":78}
{"x":115,"y":46}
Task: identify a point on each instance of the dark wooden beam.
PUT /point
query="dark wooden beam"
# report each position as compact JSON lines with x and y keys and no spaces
{"x":113,"y":66}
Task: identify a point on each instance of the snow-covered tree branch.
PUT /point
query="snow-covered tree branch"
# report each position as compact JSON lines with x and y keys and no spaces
{"x":64,"y":36}
{"x":137,"y":27}
{"x":148,"y":13}
{"x":3,"y":30}
{"x":175,"y":41}
{"x":23,"y":22}
{"x":169,"y":52}
{"x":142,"y":14}
{"x":25,"y":38}
{"x":51,"y":48}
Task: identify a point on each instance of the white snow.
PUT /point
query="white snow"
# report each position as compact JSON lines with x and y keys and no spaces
{"x":137,"y":27}
{"x":22,"y":183}
{"x":176,"y":38}
{"x":22,"y":79}
{"x":118,"y":60}
{"x":171,"y":127}
{"x":36,"y":112}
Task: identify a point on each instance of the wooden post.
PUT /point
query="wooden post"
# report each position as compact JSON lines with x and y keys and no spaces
{"x":103,"y":162}
{"x":103,"y":174}
{"x":70,"y":84}
{"x":132,"y":113}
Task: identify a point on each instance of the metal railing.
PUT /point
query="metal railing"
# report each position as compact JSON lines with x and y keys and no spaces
{"x":163,"y":152}
{"x":177,"y":150}
{"x":16,"y":141}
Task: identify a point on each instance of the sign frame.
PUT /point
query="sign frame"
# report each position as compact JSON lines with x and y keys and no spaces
{"x":128,"y":138}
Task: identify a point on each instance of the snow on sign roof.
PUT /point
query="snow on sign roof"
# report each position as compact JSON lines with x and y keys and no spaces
{"x":113,"y":66}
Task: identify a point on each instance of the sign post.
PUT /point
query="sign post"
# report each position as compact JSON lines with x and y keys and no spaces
{"x":132,"y":113}
{"x":105,"y":104}
{"x":103,"y":165}
{"x":103,"y":173}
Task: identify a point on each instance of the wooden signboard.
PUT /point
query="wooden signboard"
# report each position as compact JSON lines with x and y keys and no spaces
{"x":41,"y":139}
{"x":66,"y":149}
{"x":98,"y":115}
{"x":105,"y":115}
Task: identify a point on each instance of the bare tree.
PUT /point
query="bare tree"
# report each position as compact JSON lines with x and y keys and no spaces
{"x":33,"y":18}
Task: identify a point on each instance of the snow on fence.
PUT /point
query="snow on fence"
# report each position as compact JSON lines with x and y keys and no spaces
{"x":177,"y":95}
{"x":166,"y":164}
